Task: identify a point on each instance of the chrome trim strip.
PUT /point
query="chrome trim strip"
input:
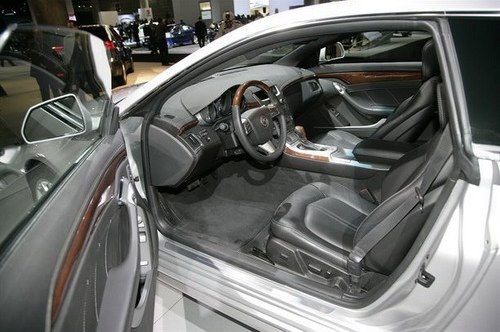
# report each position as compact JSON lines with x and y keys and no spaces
{"x":375,"y":125}
{"x":337,"y":155}
{"x":246,"y":296}
{"x":485,"y":151}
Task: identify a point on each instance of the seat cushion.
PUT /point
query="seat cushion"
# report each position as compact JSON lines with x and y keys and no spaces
{"x":338,"y":138}
{"x":321,"y":219}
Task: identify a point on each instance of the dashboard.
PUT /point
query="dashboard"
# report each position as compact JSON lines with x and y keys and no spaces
{"x":194,"y":133}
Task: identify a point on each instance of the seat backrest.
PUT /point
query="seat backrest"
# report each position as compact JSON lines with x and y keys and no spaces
{"x":416,"y":113}
{"x":398,"y":185}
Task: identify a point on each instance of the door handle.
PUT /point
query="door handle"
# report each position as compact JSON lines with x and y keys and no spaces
{"x":378,"y":111}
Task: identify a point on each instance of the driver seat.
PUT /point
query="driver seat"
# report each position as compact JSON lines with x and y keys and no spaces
{"x":411,"y":117}
{"x":315,"y":230}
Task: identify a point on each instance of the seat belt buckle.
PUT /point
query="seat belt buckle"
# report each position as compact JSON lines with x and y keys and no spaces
{"x":354,"y":271}
{"x":366,"y":194}
{"x":420,"y":199}
{"x":353,"y":268}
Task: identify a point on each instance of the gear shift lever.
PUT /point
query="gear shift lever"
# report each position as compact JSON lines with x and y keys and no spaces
{"x":304,"y":143}
{"x":301,"y":132}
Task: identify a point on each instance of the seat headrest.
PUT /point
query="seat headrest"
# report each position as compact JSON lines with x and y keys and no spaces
{"x":430,"y":64}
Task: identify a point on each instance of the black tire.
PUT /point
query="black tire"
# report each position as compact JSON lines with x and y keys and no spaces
{"x":122,"y":79}
{"x":131,"y":67}
{"x":40,"y":179}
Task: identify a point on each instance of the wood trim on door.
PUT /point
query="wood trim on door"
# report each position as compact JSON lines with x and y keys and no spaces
{"x":85,"y":227}
{"x":358,"y":77}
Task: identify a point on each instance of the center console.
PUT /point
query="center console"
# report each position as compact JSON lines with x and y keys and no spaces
{"x":367,"y":158}
{"x":303,"y":154}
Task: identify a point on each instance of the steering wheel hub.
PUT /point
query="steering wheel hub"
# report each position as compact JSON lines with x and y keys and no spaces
{"x":257,"y":128}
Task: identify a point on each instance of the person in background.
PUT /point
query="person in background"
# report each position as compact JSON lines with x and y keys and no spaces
{"x":71,"y":24}
{"x":44,"y":68}
{"x":135,"y":33}
{"x":229,"y":24}
{"x":150,"y":28}
{"x":200,"y":29}
{"x":213,"y":29}
{"x":161,"y":41}
{"x":147,"y":33}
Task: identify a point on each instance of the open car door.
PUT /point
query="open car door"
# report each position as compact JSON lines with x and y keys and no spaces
{"x":77,"y":250}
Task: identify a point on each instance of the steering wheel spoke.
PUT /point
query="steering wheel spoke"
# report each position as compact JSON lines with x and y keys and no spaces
{"x":247,"y":126}
{"x":267,"y":148}
{"x":275,"y":111}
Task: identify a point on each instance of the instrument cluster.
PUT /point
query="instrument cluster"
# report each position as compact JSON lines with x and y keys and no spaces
{"x":218,"y":109}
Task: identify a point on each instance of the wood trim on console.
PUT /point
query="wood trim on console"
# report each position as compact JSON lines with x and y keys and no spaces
{"x":306,"y":155}
{"x":187,"y":126}
{"x":84,"y":229}
{"x":373,"y":76}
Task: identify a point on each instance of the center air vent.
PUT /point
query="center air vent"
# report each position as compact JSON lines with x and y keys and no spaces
{"x":193,"y":141}
{"x":314,"y":86}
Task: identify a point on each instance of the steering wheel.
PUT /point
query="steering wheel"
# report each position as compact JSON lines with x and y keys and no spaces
{"x":262,"y":130}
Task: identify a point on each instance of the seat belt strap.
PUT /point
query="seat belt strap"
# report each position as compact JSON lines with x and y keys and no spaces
{"x":439,"y":157}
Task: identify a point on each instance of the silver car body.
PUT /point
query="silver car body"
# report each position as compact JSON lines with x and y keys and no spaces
{"x":461,"y":250}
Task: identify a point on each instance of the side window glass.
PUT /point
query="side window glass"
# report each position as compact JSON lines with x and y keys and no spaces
{"x":480,"y":74}
{"x":381,"y":46}
{"x":51,"y":105}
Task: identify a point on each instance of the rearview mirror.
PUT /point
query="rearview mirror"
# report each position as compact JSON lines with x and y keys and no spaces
{"x":332,"y":52}
{"x":55,"y":118}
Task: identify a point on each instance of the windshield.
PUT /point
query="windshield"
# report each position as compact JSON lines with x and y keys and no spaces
{"x":267,"y":56}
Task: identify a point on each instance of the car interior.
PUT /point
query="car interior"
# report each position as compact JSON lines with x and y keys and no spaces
{"x":314,"y":162}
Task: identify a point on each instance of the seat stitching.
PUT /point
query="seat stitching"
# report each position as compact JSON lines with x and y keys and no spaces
{"x":359,"y":207}
{"x":330,"y":214}
{"x":322,"y":193}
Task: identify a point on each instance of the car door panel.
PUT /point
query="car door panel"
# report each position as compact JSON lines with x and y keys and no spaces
{"x":362,"y":95}
{"x":104,"y":289}
{"x":78,"y":252}
{"x":80,"y":256}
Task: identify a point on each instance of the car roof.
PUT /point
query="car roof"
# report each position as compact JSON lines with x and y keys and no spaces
{"x":317,"y":13}
{"x":94,"y":26}
{"x":100,"y":30}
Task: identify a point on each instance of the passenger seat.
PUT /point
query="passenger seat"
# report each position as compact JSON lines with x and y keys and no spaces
{"x":411,"y":117}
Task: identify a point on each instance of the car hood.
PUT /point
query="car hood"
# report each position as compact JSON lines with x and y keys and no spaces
{"x":304,"y":15}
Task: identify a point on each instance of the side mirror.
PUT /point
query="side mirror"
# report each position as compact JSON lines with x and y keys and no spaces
{"x":332,"y":52}
{"x":60,"y":117}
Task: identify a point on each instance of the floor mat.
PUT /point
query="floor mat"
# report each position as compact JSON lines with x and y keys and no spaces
{"x":231,"y":223}
{"x":233,"y":204}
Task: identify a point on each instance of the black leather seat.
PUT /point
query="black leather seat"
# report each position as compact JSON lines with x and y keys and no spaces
{"x":316,"y":227}
{"x":411,"y":117}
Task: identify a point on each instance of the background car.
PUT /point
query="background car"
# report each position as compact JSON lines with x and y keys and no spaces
{"x":180,"y":34}
{"x":145,"y":29}
{"x":121,"y":60}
